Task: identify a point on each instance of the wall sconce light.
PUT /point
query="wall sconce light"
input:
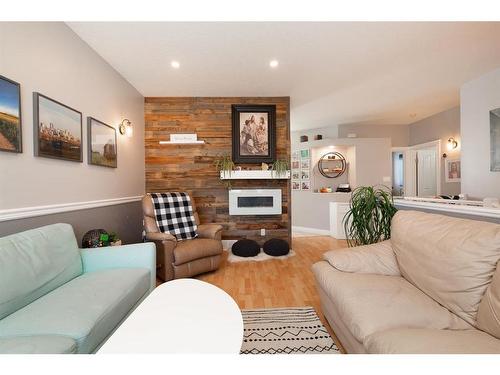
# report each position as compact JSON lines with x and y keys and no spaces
{"x":126,"y":128}
{"x":452,"y":144}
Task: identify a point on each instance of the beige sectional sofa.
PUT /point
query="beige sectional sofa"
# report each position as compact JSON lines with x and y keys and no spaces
{"x":434,"y":287}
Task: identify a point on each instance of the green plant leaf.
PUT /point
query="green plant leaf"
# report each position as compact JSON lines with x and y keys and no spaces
{"x":369,"y":217}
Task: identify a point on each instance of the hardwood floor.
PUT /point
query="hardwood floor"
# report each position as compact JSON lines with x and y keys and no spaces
{"x":276,"y":283}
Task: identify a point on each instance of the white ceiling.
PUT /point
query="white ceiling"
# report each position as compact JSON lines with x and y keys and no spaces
{"x":334,"y":72}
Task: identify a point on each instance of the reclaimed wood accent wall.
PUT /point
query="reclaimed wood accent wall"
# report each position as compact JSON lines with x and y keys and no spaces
{"x":191,"y":167}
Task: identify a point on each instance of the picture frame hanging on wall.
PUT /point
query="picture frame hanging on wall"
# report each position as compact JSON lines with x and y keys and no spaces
{"x":102,"y":145}
{"x":253,"y":133}
{"x":57,"y":129}
{"x":495,"y":140}
{"x":11,"y":139}
{"x":452,"y":170}
{"x":305,"y":153}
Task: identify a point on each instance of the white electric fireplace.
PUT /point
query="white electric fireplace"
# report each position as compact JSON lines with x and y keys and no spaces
{"x":255,"y":202}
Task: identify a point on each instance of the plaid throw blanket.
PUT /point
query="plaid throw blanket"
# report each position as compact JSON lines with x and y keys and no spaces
{"x":174,"y":214}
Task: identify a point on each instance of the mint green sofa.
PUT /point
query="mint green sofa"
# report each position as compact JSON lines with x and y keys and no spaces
{"x":57,"y":298}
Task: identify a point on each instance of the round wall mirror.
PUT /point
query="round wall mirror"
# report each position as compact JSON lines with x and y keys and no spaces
{"x":332,"y":165}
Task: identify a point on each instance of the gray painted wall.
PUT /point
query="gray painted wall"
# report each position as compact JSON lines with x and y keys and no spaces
{"x":123,"y":219}
{"x":371,"y":162}
{"x":399,"y":134}
{"x":478,"y":98}
{"x":48,"y":57}
{"x":441,"y":126}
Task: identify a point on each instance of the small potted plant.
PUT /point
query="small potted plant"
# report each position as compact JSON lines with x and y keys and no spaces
{"x":226,"y":165}
{"x":114,"y":240}
{"x":280,"y":168}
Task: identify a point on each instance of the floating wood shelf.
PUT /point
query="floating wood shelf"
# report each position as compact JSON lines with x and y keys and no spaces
{"x":253,"y":175}
{"x":181,"y":143}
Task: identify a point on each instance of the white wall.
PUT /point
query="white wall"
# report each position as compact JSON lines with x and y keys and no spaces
{"x":49,"y":58}
{"x":478,"y":98}
{"x":399,"y":134}
{"x":327,"y":132}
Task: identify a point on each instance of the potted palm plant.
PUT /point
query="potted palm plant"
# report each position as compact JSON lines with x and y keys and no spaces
{"x":369,"y":217}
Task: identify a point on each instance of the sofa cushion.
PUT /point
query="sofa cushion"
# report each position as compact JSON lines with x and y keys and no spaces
{"x":370,"y":303}
{"x":86,"y":309}
{"x":377,"y":258}
{"x":431,"y":341}
{"x":197,"y":248}
{"x":451,"y":260}
{"x":42,"y":344}
{"x":35,"y":262}
{"x":488,"y":315}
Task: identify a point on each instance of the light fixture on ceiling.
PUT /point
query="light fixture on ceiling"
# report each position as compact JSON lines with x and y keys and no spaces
{"x":126,"y":128}
{"x":274,"y":63}
{"x":175,"y":64}
{"x":452,"y":144}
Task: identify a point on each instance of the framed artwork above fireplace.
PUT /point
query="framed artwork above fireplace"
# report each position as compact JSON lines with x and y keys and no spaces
{"x":254,"y":133}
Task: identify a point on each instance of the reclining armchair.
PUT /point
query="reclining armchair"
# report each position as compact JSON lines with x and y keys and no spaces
{"x":177,"y":259}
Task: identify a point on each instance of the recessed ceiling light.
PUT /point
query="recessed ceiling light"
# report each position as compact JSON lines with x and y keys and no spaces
{"x":274,"y":63}
{"x":175,"y":64}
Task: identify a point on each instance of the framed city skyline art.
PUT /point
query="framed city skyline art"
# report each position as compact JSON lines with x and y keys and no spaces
{"x":57,"y":129}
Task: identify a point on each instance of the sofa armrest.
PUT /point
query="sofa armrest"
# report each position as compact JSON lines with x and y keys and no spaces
{"x":212,"y":231}
{"x":160,"y":236}
{"x":376,"y":258}
{"x":140,"y":255}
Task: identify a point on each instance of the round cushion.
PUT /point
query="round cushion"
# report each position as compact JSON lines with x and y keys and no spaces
{"x":276,"y":247}
{"x":245,"y":248}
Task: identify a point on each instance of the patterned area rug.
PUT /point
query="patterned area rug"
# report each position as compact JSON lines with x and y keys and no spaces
{"x":296,"y":330}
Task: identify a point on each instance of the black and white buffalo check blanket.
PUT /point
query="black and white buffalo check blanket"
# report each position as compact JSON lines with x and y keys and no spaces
{"x":174,"y":214}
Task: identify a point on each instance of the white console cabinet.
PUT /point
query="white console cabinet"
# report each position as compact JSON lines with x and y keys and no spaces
{"x":337,"y":213}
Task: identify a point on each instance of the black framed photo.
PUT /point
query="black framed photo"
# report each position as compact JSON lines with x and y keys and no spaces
{"x":10,"y":116}
{"x":254,"y":133}
{"x":57,"y":129}
{"x":102,"y":148}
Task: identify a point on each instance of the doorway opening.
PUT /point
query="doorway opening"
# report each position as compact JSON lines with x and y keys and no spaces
{"x":416,"y":170}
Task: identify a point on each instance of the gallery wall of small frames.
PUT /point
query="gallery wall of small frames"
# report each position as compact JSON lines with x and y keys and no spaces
{"x":301,"y":169}
{"x":57,"y":129}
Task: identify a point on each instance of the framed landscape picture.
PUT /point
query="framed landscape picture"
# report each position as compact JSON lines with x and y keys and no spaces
{"x":102,"y":148}
{"x":254,"y":133}
{"x":57,"y":129}
{"x":495,"y":140}
{"x":10,"y":116}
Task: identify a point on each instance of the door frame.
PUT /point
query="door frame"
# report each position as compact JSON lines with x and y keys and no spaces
{"x":413,"y":155}
{"x":410,"y":167}
{"x":406,"y":167}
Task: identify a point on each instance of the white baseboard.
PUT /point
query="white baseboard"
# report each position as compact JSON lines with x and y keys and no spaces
{"x":25,"y":212}
{"x":321,"y":232}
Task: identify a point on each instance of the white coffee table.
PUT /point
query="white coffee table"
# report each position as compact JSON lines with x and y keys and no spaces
{"x":181,"y":316}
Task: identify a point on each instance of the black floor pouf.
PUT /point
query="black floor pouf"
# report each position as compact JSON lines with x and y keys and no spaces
{"x":245,"y":248}
{"x":276,"y":247}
